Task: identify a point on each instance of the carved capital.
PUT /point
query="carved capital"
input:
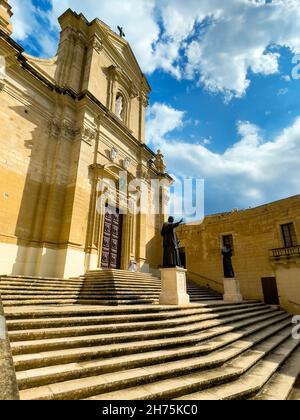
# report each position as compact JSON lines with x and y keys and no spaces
{"x":97,"y":44}
{"x":144,"y":100}
{"x":54,"y":128}
{"x":68,"y":131}
{"x":87,"y":134}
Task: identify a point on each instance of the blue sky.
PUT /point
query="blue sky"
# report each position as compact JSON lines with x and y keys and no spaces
{"x":224,"y":105}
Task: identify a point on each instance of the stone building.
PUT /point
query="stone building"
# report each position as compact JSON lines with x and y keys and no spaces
{"x":265,"y":242}
{"x":69,"y":126}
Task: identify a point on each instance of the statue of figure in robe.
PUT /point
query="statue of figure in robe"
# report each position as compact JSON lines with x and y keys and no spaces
{"x":227,"y":263}
{"x":171,"y":244}
{"x":119,"y":107}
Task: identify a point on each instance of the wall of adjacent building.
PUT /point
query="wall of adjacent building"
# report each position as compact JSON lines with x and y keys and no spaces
{"x":255,"y":232}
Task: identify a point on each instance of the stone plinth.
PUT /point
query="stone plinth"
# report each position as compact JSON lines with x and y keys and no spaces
{"x":232,"y":291}
{"x":173,"y":287}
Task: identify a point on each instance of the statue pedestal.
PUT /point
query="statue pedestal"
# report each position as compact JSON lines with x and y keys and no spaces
{"x":232,"y":291}
{"x":173,"y":287}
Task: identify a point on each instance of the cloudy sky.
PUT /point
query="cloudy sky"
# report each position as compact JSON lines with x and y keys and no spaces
{"x":225,"y":104}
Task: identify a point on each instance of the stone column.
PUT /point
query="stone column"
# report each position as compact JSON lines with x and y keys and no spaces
{"x":8,"y":382}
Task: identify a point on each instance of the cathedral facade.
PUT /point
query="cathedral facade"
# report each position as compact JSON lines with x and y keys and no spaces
{"x":69,"y":127}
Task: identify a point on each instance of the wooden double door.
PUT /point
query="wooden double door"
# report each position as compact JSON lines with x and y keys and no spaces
{"x":112,"y":239}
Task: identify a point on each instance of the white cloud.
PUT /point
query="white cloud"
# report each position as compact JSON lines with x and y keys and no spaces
{"x":282,"y":92}
{"x":215,"y":42}
{"x":250,"y":172}
{"x":286,"y":78}
{"x":161,"y":120}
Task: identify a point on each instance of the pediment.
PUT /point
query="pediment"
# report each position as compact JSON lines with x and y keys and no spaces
{"x":125,"y":58}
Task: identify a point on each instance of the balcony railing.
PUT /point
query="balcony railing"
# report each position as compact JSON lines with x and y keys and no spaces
{"x":285,"y":252}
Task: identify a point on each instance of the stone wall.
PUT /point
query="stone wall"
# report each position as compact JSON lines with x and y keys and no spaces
{"x":255,"y":232}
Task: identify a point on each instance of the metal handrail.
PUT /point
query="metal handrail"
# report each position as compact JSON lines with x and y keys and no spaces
{"x":204,"y":277}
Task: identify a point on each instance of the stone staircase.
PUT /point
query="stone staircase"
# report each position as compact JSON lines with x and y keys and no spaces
{"x":212,"y":350}
{"x":108,"y":288}
{"x":67,"y":344}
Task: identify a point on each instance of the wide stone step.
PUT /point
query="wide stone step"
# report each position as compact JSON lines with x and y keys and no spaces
{"x":88,"y":387}
{"x":202,"y":298}
{"x":65,"y":295}
{"x":95,"y":284}
{"x":93,"y":340}
{"x":52,"y":358}
{"x":192,"y":380}
{"x":13,"y":303}
{"x":255,"y":379}
{"x":77,"y":310}
{"x":28,"y":320}
{"x":68,"y":331}
{"x":5,"y":280}
{"x":45,"y":376}
{"x":295,"y":393}
{"x":282,"y":382}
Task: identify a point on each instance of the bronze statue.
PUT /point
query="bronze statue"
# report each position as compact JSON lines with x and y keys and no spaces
{"x":171,"y":244}
{"x":227,"y":263}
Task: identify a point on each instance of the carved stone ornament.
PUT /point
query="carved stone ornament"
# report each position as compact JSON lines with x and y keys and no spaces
{"x":87,"y":134}
{"x":113,"y":154}
{"x":97,"y":44}
{"x":160,"y":163}
{"x":65,"y":129}
{"x":54,"y":128}
{"x":68,"y":130}
{"x":126,"y":163}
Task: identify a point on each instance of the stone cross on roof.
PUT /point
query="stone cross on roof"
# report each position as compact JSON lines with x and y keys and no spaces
{"x":121,"y":32}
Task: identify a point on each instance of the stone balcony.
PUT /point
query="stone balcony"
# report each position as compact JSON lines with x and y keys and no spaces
{"x":285,"y":254}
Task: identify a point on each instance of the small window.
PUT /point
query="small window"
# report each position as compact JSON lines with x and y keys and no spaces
{"x":289,"y":235}
{"x":228,"y":242}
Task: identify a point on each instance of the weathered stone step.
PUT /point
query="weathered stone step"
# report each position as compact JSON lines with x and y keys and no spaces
{"x":44,"y":345}
{"x":193,"y":379}
{"x":53,"y":302}
{"x":20,"y":281}
{"x":113,"y":272}
{"x":66,"y":295}
{"x":45,"y":376}
{"x":281,"y":385}
{"x":248,"y":385}
{"x":74,"y":310}
{"x":94,"y":289}
{"x":99,"y":283}
{"x":87,"y":387}
{"x":52,"y":358}
{"x":201,"y":293}
{"x":29,"y":320}
{"x":295,"y":394}
{"x":67,"y":331}
{"x":203,"y":299}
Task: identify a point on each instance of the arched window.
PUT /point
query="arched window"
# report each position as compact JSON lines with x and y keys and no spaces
{"x":120,"y":110}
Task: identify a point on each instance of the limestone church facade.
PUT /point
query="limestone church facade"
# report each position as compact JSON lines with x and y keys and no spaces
{"x":68,"y":124}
